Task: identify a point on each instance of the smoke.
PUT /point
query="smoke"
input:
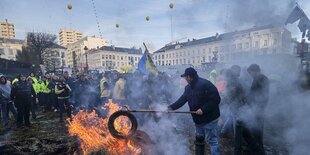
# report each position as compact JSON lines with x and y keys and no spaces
{"x":286,"y":114}
{"x":167,"y":131}
{"x":248,"y":13}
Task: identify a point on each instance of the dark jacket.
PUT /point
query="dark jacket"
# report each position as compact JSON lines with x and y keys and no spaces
{"x":200,"y":94}
{"x":62,"y":90}
{"x":259,"y":92}
{"x":70,"y":82}
{"x":22,"y":91}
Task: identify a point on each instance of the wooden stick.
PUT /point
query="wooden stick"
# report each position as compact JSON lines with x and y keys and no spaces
{"x":161,"y":111}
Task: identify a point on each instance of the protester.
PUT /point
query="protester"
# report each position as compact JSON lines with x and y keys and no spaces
{"x":258,"y":99}
{"x":5,"y":102}
{"x":82,"y":91}
{"x":234,"y":97}
{"x":119,"y":90}
{"x":62,"y":90}
{"x":203,"y":98}
{"x":104,"y":89}
{"x":22,"y":93}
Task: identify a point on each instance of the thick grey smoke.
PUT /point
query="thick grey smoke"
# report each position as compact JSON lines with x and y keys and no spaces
{"x":247,"y":13}
{"x":287,"y":114}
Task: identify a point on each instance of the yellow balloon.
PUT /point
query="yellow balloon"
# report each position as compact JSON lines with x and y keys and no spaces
{"x":117,"y":25}
{"x":171,"y":5}
{"x":147,"y":18}
{"x":69,"y":6}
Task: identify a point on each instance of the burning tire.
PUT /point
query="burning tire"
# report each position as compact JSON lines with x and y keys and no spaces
{"x":117,"y":134}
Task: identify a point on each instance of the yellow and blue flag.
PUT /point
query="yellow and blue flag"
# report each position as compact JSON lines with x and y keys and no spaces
{"x":146,"y":65}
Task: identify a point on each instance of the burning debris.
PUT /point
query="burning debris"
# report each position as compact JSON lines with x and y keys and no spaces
{"x":93,"y":133}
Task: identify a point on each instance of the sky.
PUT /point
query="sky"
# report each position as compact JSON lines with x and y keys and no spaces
{"x":190,"y":18}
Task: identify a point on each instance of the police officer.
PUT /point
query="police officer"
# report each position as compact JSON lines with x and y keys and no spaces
{"x":22,"y":93}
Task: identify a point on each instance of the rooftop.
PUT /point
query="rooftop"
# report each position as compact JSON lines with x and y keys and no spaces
{"x":12,"y":41}
{"x":58,"y":46}
{"x":119,"y":49}
{"x":217,"y":37}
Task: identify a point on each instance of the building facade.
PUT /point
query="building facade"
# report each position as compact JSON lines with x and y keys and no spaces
{"x":55,"y":58}
{"x":113,"y":58}
{"x":7,"y":30}
{"x":227,"y":47}
{"x":9,"y":48}
{"x":76,"y":53}
{"x":67,"y":36}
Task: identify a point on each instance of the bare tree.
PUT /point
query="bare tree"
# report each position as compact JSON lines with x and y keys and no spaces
{"x":39,"y":42}
{"x":26,"y":56}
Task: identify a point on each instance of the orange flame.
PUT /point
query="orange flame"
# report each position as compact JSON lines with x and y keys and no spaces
{"x":94,"y":134}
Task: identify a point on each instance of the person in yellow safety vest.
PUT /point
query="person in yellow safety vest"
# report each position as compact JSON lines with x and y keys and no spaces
{"x":44,"y":90}
{"x":212,"y":76}
{"x":35,"y":83}
{"x":15,"y":79}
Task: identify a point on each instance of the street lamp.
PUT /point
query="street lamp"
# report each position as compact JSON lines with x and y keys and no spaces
{"x":86,"y":65}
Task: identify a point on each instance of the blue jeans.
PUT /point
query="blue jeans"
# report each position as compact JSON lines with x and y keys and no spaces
{"x":5,"y":108}
{"x":209,"y":131}
{"x":229,"y":122}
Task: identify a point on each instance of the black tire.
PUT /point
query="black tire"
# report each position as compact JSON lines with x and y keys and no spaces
{"x":114,"y":132}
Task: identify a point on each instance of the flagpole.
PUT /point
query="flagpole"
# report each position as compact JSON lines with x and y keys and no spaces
{"x":145,"y":47}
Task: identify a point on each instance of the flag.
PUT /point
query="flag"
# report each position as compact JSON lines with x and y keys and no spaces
{"x":295,"y":15}
{"x":146,"y":64}
{"x":304,"y":25}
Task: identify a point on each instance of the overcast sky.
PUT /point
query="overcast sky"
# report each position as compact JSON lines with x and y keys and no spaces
{"x":190,"y":18}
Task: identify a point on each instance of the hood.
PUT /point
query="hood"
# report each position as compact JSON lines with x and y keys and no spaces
{"x":2,"y":76}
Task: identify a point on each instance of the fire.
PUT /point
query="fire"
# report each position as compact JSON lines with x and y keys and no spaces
{"x":94,"y":135}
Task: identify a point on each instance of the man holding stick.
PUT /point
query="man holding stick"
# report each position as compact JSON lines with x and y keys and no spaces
{"x":202,"y":97}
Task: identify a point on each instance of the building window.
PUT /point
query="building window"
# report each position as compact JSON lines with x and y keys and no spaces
{"x":240,"y":46}
{"x":163,"y":56}
{"x":136,"y":58}
{"x":121,"y":57}
{"x":265,"y":42}
{"x":106,"y":57}
{"x":247,"y":45}
{"x":256,"y":44}
{"x":103,"y":64}
{"x":113,"y":57}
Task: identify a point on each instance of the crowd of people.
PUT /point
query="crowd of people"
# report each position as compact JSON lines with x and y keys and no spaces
{"x":227,"y":93}
{"x":224,"y":100}
{"x":27,"y":94}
